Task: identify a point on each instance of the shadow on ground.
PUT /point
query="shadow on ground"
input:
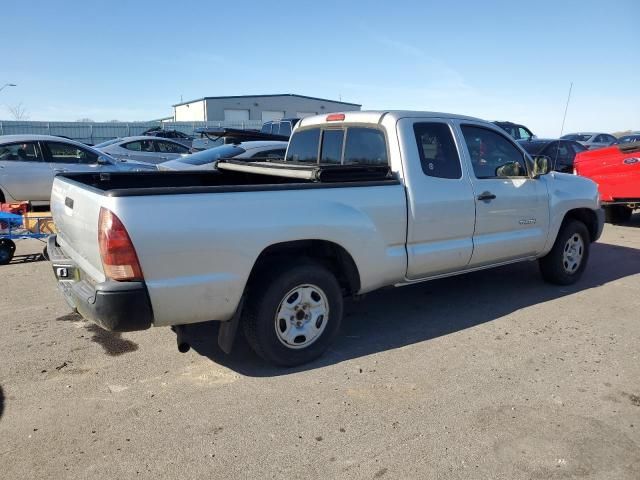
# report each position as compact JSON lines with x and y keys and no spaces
{"x":30,"y":258}
{"x":1,"y":401}
{"x":396,"y":317}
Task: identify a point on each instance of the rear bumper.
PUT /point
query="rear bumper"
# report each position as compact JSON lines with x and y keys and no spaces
{"x":115,"y":306}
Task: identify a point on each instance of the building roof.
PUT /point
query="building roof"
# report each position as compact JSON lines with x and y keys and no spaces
{"x":275,"y":95}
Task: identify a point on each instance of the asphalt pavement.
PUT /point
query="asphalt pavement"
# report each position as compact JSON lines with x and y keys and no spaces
{"x":491,"y":375}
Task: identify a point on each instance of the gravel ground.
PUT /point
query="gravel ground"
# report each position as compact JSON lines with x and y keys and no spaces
{"x":489,"y":375}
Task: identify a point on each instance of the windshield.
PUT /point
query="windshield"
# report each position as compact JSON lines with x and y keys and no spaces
{"x":107,"y":143}
{"x":578,"y":137}
{"x":213,"y":154}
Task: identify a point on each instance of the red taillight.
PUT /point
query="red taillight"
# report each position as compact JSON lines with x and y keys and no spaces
{"x":119,"y":258}
{"x":335,"y":117}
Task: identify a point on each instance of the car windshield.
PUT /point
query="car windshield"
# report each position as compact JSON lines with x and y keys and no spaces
{"x":213,"y":154}
{"x":107,"y":143}
{"x":578,"y":137}
{"x":629,"y":139}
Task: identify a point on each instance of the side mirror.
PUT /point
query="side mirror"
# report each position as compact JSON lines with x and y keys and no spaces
{"x":103,"y":161}
{"x":541,"y":165}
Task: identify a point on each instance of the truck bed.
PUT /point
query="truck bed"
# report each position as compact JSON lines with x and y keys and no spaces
{"x":244,"y":177}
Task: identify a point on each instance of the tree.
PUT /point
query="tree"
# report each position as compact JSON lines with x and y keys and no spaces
{"x":18,"y":112}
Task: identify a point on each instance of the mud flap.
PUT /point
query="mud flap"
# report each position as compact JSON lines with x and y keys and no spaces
{"x":228,"y":330}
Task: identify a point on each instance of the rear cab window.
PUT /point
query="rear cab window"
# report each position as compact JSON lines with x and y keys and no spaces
{"x":343,"y":145}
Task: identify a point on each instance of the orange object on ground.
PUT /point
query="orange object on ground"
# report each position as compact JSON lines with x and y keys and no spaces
{"x":39,"y":222}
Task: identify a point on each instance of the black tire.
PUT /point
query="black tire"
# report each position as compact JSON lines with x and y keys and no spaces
{"x":617,"y":213}
{"x":555,"y":268}
{"x":269,"y":293}
{"x":7,"y":249}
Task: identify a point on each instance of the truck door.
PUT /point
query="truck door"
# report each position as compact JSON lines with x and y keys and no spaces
{"x":512,"y":209}
{"x":440,"y":199}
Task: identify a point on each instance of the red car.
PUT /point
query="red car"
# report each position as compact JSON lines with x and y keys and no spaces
{"x":616,"y":170}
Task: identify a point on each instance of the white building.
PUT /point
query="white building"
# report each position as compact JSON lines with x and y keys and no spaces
{"x":261,"y":108}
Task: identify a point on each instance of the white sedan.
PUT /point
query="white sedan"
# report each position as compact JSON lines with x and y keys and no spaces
{"x":144,"y":149}
{"x":207,"y":159}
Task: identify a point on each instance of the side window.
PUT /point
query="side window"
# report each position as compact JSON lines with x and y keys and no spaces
{"x":285,"y":128}
{"x":558,"y":151}
{"x":492,"y":155}
{"x":139,"y":146}
{"x":277,"y":153}
{"x":168,"y":147}
{"x":21,"y":152}
{"x":524,"y":133}
{"x":577,"y":148}
{"x":611,"y":139}
{"x":275,"y":128}
{"x":67,"y":153}
{"x":331,"y":148}
{"x":599,"y":138}
{"x":303,"y":146}
{"x":438,"y":155}
{"x":365,"y":146}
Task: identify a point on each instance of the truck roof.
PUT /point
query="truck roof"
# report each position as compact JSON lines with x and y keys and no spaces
{"x":375,"y":116}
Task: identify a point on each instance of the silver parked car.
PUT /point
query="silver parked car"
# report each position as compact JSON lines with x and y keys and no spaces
{"x":28,"y":164}
{"x":591,"y":140}
{"x":145,"y":149}
{"x":207,"y":159}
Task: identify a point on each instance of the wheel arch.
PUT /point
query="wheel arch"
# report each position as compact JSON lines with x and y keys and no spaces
{"x":586,"y":216}
{"x":333,"y":256}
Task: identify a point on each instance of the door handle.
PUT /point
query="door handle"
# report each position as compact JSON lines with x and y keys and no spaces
{"x":60,"y":170}
{"x":486,"y":196}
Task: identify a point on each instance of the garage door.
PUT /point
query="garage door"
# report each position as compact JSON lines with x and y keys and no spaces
{"x":232,"y":115}
{"x":305,"y":114}
{"x":270,"y":115}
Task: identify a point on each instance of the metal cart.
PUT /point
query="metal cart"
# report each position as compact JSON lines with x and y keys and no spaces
{"x":17,"y":227}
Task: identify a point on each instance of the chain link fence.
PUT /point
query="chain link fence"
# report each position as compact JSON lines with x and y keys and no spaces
{"x":93,"y":133}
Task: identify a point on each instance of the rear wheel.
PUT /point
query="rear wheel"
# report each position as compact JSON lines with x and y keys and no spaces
{"x":566,"y":261}
{"x":617,"y":213}
{"x":7,"y":249}
{"x":292,"y":314}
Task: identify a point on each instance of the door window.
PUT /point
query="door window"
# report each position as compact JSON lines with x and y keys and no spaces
{"x":438,"y":154}
{"x":523,"y":133}
{"x":139,"y":146}
{"x":168,"y":147}
{"x":285,"y":128}
{"x":21,"y":152}
{"x":67,"y":153}
{"x":492,"y":155}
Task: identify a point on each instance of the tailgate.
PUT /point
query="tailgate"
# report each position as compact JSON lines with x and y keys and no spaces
{"x":75,"y":209}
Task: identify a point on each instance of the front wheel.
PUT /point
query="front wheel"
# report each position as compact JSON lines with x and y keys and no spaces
{"x":292,"y":316}
{"x":566,"y":261}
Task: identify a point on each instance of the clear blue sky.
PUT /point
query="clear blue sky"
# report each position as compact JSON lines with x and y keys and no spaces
{"x":496,"y":60}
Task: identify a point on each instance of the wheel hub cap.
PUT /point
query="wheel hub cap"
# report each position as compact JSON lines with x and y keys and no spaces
{"x":573,"y":253}
{"x":302,"y":316}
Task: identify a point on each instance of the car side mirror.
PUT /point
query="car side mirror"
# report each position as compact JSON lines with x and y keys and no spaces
{"x":541,"y":165}
{"x":103,"y":161}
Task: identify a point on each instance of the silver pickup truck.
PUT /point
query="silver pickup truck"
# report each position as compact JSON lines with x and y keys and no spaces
{"x":363,"y":200}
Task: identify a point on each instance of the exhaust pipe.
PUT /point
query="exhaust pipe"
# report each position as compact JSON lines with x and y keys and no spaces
{"x":183,"y":345}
